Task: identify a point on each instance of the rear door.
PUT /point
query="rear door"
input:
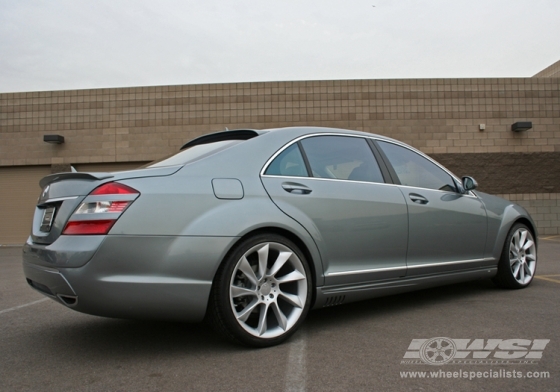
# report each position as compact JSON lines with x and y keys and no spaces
{"x":334,"y":187}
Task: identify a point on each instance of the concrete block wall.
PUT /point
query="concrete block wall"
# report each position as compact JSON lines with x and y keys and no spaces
{"x":543,"y":207}
{"x":138,"y":124}
{"x":441,"y":117}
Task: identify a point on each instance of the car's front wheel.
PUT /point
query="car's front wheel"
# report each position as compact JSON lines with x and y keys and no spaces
{"x":262,"y":291}
{"x":518,"y":262}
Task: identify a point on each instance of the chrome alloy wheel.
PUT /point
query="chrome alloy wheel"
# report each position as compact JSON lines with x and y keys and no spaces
{"x":268,"y":290}
{"x":522,"y":256}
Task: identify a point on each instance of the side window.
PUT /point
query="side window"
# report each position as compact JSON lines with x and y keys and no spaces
{"x":341,"y":157}
{"x":288,"y":163}
{"x":415,"y":170}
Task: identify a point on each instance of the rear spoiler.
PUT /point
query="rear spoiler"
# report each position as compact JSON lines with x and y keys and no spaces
{"x":73,"y":176}
{"x":239,"y":134}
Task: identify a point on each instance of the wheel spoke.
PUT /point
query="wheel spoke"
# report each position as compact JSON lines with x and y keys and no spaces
{"x":522,"y":239}
{"x":292,"y":299}
{"x":528,"y":244}
{"x":521,"y":273}
{"x":261,"y":328}
{"x":245,"y":267}
{"x":282,"y":320}
{"x":530,"y":257}
{"x":513,"y":261}
{"x":237,"y":292}
{"x":515,"y":242}
{"x":514,"y":254}
{"x":246,"y":312}
{"x":291,"y":277}
{"x":527,"y":270}
{"x":263,"y":260}
{"x":515,"y":268}
{"x":279,"y":263}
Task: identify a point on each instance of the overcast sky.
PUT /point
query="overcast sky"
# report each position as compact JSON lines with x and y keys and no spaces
{"x":77,"y":44}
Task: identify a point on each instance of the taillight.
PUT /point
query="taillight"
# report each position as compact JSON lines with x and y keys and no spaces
{"x":91,"y":227}
{"x":114,"y":188}
{"x":100,"y":209}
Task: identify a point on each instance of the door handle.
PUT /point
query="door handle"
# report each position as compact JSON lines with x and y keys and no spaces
{"x":418,"y":198}
{"x":295,"y":188}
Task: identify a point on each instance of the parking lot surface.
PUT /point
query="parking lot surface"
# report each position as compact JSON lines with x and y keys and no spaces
{"x":356,"y":347}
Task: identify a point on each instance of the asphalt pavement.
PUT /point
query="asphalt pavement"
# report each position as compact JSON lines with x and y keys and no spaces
{"x":362,"y":346}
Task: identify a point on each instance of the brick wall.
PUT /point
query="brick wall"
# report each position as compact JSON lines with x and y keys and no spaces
{"x":140,"y":124}
{"x":507,"y":172}
{"x":441,"y":117}
{"x":543,"y":207}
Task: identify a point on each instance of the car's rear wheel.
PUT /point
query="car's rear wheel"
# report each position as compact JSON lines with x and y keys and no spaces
{"x":262,"y":291}
{"x":518,"y":262}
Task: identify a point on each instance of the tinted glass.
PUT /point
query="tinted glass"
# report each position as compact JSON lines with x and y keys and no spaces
{"x":343,"y":158}
{"x":415,"y":170}
{"x":288,"y":163}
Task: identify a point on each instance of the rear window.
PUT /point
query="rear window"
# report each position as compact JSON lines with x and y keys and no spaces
{"x":194,"y":153}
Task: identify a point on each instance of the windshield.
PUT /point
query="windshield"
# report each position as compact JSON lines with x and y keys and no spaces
{"x":193,"y":153}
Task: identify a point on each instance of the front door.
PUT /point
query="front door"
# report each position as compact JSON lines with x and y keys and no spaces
{"x":447,"y":229}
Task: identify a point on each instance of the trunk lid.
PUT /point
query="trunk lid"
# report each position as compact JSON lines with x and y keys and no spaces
{"x":63,"y":192}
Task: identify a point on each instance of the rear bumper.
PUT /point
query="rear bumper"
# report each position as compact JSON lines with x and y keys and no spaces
{"x":65,"y":252}
{"x":139,"y":277}
{"x":50,"y":282}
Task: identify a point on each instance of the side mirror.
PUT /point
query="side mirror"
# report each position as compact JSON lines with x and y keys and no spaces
{"x":469,"y":183}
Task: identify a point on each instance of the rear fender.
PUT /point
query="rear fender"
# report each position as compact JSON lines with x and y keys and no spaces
{"x":253,"y":214}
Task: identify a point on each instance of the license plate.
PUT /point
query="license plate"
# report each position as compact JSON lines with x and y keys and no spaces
{"x":48,"y":215}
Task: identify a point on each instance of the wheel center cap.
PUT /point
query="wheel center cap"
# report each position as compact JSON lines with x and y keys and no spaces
{"x":265,"y":289}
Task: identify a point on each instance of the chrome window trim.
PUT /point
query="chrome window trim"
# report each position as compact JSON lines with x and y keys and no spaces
{"x":416,"y":151}
{"x":281,"y":150}
{"x":374,"y":138}
{"x":328,"y":179}
{"x":364,"y":182}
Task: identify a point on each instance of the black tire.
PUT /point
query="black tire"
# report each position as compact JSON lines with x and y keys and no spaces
{"x":265,"y":305}
{"x":518,"y":262}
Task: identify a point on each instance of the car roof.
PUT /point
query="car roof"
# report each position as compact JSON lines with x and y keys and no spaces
{"x":290,"y":132}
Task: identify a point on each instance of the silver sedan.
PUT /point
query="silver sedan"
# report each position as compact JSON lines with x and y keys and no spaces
{"x":251,"y":229}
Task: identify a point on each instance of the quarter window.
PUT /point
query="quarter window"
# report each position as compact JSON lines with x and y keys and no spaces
{"x":341,"y":157}
{"x":288,"y":163}
{"x":414,"y":170}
